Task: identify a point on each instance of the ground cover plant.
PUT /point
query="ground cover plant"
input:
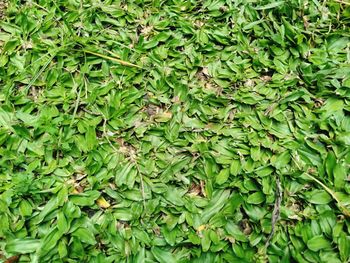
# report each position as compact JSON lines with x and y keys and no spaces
{"x":174,"y":131}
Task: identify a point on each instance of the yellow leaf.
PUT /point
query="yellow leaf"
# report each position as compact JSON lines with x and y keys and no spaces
{"x":163,"y":117}
{"x":200,"y":228}
{"x":101,"y":202}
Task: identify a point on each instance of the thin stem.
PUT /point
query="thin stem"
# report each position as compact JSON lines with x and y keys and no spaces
{"x":141,"y":183}
{"x":342,"y":208}
{"x":76,"y":106}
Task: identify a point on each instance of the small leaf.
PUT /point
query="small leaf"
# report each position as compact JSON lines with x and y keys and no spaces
{"x":62,"y":223}
{"x":62,"y":248}
{"x":235,"y":167}
{"x":101,"y":202}
{"x":222,"y":177}
{"x":85,"y":199}
{"x":340,"y":174}
{"x":282,"y":160}
{"x":255,"y":153}
{"x":330,"y":163}
{"x":90,"y":137}
{"x":256,"y":198}
{"x":25,"y":208}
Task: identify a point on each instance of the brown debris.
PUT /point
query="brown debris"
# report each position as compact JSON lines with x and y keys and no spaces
{"x":203,"y":74}
{"x":318,"y":103}
{"x":196,"y":189}
{"x":266,"y":78}
{"x":152,"y":109}
{"x":12,"y":259}
{"x":245,"y":227}
{"x":306,"y":22}
{"x":146,"y":31}
{"x":3,"y":7}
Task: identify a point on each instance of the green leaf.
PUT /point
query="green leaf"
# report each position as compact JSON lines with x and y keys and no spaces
{"x":90,"y":137}
{"x":87,"y":198}
{"x":282,"y":160}
{"x":22,"y":246}
{"x":340,"y":175}
{"x":319,"y":197}
{"x":344,"y":247}
{"x":205,"y":240}
{"x":123,"y":214}
{"x":269,"y":6}
{"x":62,"y":223}
{"x":235,"y":232}
{"x":216,"y":203}
{"x":50,"y":241}
{"x":332,"y":106}
{"x":85,"y":236}
{"x":50,"y":206}
{"x":163,"y":256}
{"x":174,"y":196}
{"x":256,"y":198}
{"x":235,"y":167}
{"x":222,"y":177}
{"x":330,"y":163}
{"x":255,"y":153}
{"x":62,"y":249}
{"x":25,"y":208}
{"x":318,"y":242}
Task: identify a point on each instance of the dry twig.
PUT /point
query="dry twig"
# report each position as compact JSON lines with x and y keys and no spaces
{"x":276,"y":210}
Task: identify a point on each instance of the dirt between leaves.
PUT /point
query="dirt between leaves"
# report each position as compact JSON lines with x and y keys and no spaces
{"x":3,"y":6}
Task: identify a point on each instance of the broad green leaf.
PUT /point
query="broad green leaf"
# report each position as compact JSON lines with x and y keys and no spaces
{"x":85,"y":236}
{"x":50,"y":241}
{"x":235,"y":232}
{"x":23,"y":246}
{"x":344,"y":247}
{"x":216,"y":203}
{"x":163,"y":256}
{"x":318,"y":242}
{"x":87,"y":198}
{"x":318,"y":197}
{"x":123,"y":214}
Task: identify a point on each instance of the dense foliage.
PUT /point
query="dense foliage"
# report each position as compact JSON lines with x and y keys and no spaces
{"x":175,"y":131}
